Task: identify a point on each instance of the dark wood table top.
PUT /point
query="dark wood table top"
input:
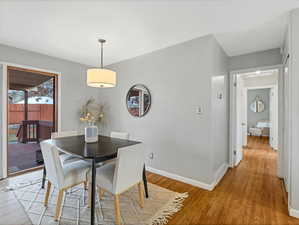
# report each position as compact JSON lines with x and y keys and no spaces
{"x":106,"y":147}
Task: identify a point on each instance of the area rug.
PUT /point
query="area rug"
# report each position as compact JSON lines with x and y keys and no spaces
{"x":158,"y":208}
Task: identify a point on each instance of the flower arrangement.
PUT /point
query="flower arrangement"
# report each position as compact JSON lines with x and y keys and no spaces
{"x":91,"y":112}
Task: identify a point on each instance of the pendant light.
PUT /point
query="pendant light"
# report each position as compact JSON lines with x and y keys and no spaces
{"x":100,"y":77}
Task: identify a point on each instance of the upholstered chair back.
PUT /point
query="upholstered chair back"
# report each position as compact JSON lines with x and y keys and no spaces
{"x":64,"y":134}
{"x":128,"y":168}
{"x":52,"y":163}
{"x":120,"y":135}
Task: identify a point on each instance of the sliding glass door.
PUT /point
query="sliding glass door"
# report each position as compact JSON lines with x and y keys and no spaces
{"x":32,"y":116}
{"x":1,"y":124}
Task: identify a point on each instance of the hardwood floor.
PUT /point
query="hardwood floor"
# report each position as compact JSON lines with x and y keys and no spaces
{"x":249,"y":194}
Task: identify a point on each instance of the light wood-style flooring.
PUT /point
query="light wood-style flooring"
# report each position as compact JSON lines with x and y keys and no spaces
{"x":249,"y":194}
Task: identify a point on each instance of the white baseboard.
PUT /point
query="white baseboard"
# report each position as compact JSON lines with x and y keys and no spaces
{"x":294,"y":212}
{"x":186,"y":180}
{"x":219,"y":174}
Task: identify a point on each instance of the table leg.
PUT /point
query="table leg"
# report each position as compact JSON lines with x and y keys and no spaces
{"x":44,"y":177}
{"x":93,"y":192}
{"x":145,"y":182}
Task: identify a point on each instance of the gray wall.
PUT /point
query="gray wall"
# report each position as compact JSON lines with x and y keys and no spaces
{"x":256,"y":59}
{"x":74,"y":90}
{"x":253,"y":117}
{"x":179,"y":78}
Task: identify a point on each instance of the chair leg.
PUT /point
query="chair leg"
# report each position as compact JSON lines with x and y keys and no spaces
{"x":117,"y":210}
{"x":58,"y":204}
{"x":141,"y":195}
{"x":47,"y":193}
{"x":145,"y":182}
{"x":85,"y":185}
{"x":89,"y":195}
{"x":44,"y":177}
{"x":101,"y":193}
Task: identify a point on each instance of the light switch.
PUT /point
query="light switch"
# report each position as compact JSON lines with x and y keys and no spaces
{"x":219,"y":95}
{"x":199,"y":110}
{"x":151,"y":155}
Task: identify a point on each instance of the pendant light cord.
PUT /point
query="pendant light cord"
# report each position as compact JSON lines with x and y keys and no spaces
{"x":102,"y":41}
{"x":102,"y":55}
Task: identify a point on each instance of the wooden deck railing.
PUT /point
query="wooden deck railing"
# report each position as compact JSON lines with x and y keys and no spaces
{"x":34,"y":131}
{"x":35,"y":112}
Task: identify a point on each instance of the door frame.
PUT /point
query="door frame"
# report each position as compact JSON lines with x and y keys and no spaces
{"x":244,"y":117}
{"x":271,"y":87}
{"x":232,"y":110}
{"x":239,"y":120}
{"x":4,"y":127}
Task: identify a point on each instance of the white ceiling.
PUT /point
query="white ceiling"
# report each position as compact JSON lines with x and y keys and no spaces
{"x":70,"y":29}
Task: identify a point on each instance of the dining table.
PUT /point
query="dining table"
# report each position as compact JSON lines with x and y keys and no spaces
{"x":104,"y":149}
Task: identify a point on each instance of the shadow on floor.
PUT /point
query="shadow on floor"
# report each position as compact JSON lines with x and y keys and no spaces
{"x":22,"y":156}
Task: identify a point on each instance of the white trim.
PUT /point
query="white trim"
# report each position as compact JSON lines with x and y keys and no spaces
{"x":293,"y":121}
{"x":59,"y":103}
{"x":186,"y":180}
{"x":4,"y":121}
{"x":274,"y":122}
{"x":294,"y":212}
{"x":29,"y":67}
{"x":232,"y":119}
{"x":253,"y":69}
{"x":4,"y":111}
{"x":281,"y":125}
{"x":218,"y":176}
{"x":262,"y":87}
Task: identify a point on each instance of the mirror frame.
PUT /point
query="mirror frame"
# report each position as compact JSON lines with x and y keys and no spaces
{"x":150,"y":99}
{"x":257,"y":99}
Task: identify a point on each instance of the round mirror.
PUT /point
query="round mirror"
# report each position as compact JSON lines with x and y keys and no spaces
{"x":138,"y":100}
{"x":257,"y":106}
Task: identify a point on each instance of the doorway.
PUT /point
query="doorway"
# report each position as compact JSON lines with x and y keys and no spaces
{"x":31,"y":116}
{"x":254,"y":113}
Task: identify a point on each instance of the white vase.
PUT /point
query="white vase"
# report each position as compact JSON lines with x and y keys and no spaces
{"x":91,"y":134}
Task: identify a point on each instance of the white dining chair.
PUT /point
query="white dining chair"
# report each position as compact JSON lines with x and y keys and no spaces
{"x":125,"y":136}
{"x":61,"y":176}
{"x":115,"y":134}
{"x":116,"y":178}
{"x":120,"y":135}
{"x":65,"y":158}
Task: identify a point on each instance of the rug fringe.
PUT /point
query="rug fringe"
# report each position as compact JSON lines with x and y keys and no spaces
{"x":162,"y":217}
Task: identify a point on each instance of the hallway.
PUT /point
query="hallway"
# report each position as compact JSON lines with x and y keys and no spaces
{"x":248,"y":194}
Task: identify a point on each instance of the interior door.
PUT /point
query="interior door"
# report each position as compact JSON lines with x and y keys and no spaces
{"x":239,"y":121}
{"x":286,"y":126}
{"x":271,"y":117}
{"x":274,"y":118}
{"x":244,"y":116}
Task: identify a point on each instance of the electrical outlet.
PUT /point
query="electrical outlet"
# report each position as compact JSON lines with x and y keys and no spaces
{"x":151,"y":155}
